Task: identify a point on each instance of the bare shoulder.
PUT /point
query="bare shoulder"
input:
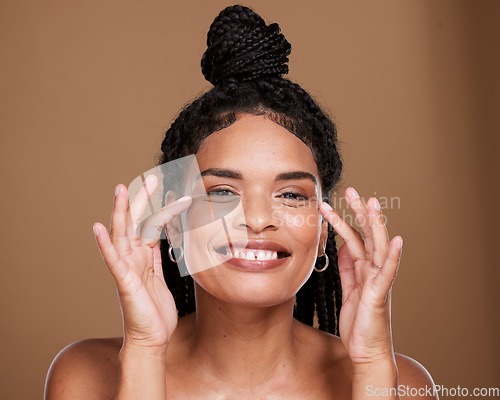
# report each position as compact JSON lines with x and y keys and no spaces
{"x":328,"y":358}
{"x":319,"y":342}
{"x":83,"y":370}
{"x":414,"y":378}
{"x":325,"y":357}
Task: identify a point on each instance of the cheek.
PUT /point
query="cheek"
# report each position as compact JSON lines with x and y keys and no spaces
{"x":303,"y":226}
{"x":197,"y":254}
{"x":200,"y":243}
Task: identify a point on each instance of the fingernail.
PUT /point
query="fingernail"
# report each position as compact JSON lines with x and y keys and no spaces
{"x":149,"y":178}
{"x":117,"y":190}
{"x":400,"y":243}
{"x":183,"y":199}
{"x":376,"y":204}
{"x":327,"y":206}
{"x":179,"y":205}
{"x":354,"y":193}
{"x":96,"y":232}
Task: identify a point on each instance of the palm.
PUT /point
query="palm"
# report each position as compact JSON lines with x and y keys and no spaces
{"x":359,"y":318}
{"x":134,"y":260}
{"x":367,"y":270}
{"x":146,"y":296}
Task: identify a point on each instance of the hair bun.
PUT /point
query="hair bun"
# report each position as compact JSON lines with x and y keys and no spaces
{"x":241,"y":46}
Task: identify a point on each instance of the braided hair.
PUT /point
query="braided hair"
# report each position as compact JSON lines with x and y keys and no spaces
{"x":245,"y":61}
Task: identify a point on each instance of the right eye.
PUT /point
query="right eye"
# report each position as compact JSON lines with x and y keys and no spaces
{"x":220,"y":192}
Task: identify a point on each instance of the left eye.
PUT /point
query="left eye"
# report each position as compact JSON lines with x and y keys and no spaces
{"x":293,"y":196}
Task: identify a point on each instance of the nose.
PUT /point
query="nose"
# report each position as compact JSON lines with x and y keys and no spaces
{"x":258,"y":214}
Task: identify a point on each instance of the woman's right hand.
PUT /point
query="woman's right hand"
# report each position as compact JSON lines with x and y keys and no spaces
{"x":148,"y":308}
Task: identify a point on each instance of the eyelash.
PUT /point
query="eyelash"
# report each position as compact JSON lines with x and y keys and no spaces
{"x":297,"y":196}
{"x":218,"y":191}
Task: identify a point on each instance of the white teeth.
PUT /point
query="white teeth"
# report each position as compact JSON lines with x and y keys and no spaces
{"x":252,"y":255}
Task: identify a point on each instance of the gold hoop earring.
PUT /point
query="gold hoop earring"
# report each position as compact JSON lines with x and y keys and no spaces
{"x":172,"y":256}
{"x":325,"y":266}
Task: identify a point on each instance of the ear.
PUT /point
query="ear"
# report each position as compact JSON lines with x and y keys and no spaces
{"x":323,"y":238}
{"x":174,"y":227}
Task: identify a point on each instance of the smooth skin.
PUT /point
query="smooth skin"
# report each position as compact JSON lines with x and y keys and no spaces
{"x":233,"y":346}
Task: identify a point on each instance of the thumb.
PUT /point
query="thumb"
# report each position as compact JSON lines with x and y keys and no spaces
{"x":346,"y":271}
{"x":157,"y":265}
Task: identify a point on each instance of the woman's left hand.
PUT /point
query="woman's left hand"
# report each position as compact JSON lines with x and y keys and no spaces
{"x":367,"y":271}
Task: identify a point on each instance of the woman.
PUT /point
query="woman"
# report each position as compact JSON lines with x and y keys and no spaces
{"x":228,"y":330}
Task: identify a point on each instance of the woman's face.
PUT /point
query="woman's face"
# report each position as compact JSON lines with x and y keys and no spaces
{"x":270,"y":241}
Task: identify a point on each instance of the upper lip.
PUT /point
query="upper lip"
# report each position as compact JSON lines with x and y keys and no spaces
{"x":259,"y":244}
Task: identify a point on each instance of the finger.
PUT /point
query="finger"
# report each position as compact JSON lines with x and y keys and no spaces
{"x":347,"y":272}
{"x":384,"y":279}
{"x":109,"y":253}
{"x":119,"y":221}
{"x":350,"y":236}
{"x":140,"y":202}
{"x":379,"y":231}
{"x":362,"y":218}
{"x":157,"y":264}
{"x":153,"y":225}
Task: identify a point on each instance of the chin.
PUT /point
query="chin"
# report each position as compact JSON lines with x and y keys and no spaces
{"x":249,"y":288}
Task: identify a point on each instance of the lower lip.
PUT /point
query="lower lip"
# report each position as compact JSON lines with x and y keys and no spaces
{"x":254,"y":265}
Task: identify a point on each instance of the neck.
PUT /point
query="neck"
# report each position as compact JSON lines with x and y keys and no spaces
{"x":245,"y":345}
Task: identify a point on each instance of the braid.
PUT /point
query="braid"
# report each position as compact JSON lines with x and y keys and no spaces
{"x":332,"y":292}
{"x":245,"y":60}
{"x":182,"y":288}
{"x":241,"y":46}
{"x":322,"y":293}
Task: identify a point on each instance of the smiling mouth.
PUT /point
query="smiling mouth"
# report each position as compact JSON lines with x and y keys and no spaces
{"x":252,"y":254}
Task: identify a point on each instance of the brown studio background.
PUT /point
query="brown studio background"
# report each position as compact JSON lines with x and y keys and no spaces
{"x":87,"y":90}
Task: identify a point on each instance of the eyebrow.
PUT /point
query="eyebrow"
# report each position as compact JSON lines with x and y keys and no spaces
{"x":221,"y":173}
{"x":294,"y":175}
{"x":285,"y":176}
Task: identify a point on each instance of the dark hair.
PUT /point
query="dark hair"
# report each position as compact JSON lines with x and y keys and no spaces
{"x":244,"y":61}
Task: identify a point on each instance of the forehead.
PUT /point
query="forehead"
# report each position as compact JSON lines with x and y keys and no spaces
{"x":256,"y":146}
